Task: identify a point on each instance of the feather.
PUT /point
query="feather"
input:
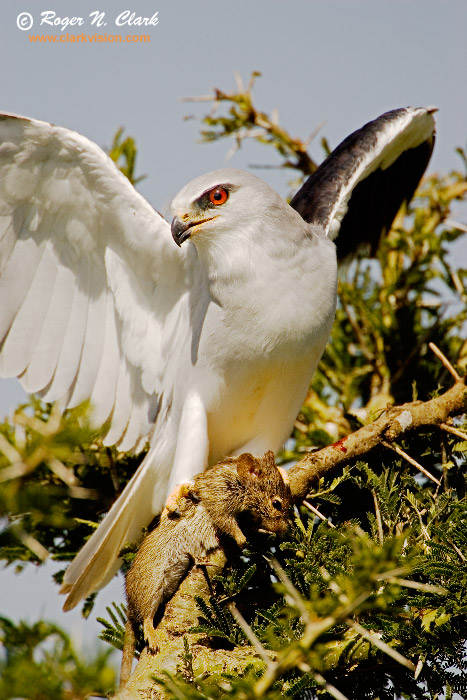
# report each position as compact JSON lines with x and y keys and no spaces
{"x":96,"y":563}
{"x":25,"y":329}
{"x":67,"y":363}
{"x":105,"y":387}
{"x":63,"y":205}
{"x":91,"y":352}
{"x":14,"y":285}
{"x":356,"y":192}
{"x":122,"y":407}
{"x":49,"y":344}
{"x":207,"y":349}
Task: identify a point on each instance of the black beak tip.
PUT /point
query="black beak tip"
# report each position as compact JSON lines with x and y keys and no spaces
{"x":180,"y":231}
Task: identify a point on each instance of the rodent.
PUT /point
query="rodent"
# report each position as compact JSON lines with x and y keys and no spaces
{"x":202,"y":512}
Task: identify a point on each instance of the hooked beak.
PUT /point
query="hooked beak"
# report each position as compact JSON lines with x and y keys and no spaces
{"x":181,"y":230}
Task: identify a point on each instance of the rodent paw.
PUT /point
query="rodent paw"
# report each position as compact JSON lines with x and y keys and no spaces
{"x":241,"y":541}
{"x":150,"y":636}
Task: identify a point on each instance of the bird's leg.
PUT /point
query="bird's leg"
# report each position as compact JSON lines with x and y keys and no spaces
{"x":191,"y":454}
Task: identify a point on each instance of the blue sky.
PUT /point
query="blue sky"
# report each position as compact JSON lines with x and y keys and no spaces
{"x":335,"y":61}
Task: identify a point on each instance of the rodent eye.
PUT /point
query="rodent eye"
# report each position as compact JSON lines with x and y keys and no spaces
{"x":277,"y":504}
{"x":219,"y":195}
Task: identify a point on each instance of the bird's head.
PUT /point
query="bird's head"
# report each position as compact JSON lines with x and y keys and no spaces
{"x":220,"y":202}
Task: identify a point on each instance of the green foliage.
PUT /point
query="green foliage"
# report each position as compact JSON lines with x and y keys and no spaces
{"x":216,"y":621}
{"x":56,"y":482}
{"x":38,"y":662}
{"x":403,"y":582}
{"x":114,"y":629}
{"x":123,"y":152}
{"x":370,"y":601}
{"x":244,"y":120}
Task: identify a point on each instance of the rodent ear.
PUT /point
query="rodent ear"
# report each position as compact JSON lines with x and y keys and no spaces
{"x":249,"y":466}
{"x":269,"y":460}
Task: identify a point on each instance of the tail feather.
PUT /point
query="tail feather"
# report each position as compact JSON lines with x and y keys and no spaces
{"x":97,"y":562}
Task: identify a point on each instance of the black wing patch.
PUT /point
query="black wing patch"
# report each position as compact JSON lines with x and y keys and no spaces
{"x":376,"y":198}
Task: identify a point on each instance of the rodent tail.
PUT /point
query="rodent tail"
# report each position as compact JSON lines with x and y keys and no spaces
{"x":97,"y":562}
{"x":128,"y":654}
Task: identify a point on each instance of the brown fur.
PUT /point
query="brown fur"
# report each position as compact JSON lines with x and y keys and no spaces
{"x":187,"y":534}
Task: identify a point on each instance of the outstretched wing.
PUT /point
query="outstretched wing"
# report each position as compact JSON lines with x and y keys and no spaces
{"x":356,"y":192}
{"x":83,"y":259}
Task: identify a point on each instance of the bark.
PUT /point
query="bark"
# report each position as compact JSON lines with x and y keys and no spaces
{"x":392,"y":424}
{"x":181,"y":612}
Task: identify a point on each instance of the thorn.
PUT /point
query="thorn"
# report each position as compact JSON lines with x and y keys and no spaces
{"x":420,"y":664}
{"x":457,"y":283}
{"x":251,"y":636}
{"x":201,"y":98}
{"x":378,"y":518}
{"x":318,"y":514}
{"x":454,"y":431}
{"x":30,"y":542}
{"x":239,"y":82}
{"x":10,"y":452}
{"x":314,"y":133}
{"x":456,"y":224}
{"x":416,"y":585}
{"x":410,"y":460}
{"x":374,"y":639}
{"x":444,"y":361}
{"x":290,"y":588}
{"x":332,"y":690}
{"x":457,"y":550}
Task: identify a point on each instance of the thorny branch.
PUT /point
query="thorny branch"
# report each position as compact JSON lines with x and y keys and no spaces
{"x":244,"y":121}
{"x":392,"y":424}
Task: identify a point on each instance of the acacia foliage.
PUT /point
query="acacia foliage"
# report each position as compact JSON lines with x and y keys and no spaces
{"x":392,"y":563}
{"x":38,"y":661}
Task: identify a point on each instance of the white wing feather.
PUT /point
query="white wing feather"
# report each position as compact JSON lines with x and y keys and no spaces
{"x":83,"y":260}
{"x":96,"y":562}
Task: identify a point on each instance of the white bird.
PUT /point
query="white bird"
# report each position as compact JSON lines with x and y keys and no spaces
{"x":205,"y":349}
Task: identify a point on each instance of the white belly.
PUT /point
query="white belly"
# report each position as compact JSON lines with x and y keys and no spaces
{"x":260,"y":342}
{"x":256,"y":411}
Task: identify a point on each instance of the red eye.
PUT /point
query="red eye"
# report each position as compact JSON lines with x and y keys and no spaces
{"x":218,"y":196}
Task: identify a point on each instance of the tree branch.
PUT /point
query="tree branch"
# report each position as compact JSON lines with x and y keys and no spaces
{"x":180,"y":615}
{"x":393,"y":423}
{"x":181,"y":612}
